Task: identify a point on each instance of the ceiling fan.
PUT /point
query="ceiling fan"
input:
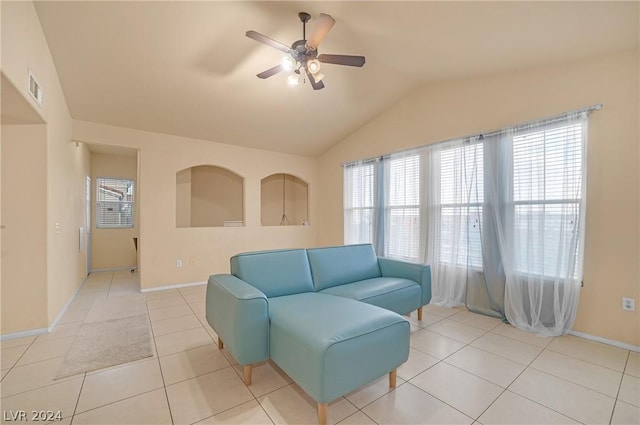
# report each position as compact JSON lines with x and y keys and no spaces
{"x":302,"y":57}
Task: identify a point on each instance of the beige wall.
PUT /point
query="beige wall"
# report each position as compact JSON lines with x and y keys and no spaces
{"x":204,"y":251}
{"x":449,"y":109}
{"x":24,"y":48}
{"x":113,"y":248}
{"x":24,"y":217}
{"x":183,"y":198}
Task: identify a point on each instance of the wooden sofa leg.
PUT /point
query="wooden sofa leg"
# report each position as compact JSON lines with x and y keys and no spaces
{"x":322,"y":413}
{"x":392,"y":378}
{"x":220,"y":343}
{"x":247,"y":375}
{"x":419,"y":313}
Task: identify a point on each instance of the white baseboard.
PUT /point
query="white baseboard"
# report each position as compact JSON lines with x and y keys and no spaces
{"x":50,"y":329}
{"x":181,"y":285}
{"x":606,"y":341}
{"x":23,"y":334}
{"x":66,"y":306}
{"x":114,"y":269}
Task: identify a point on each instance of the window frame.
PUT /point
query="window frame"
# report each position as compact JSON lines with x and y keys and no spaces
{"x":575,"y":202}
{"x":350,"y":211}
{"x":100,"y":204}
{"x":391,"y":207}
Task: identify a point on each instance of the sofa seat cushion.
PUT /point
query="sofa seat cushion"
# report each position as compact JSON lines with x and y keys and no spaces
{"x":393,"y":293}
{"x":332,"y":345}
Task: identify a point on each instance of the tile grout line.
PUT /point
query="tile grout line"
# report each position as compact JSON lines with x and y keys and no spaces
{"x":590,"y":362}
{"x":73,"y":415}
{"x":18,"y":359}
{"x":164,"y":385}
{"x":558,"y":377}
{"x":439,"y":399}
{"x":619,"y":387}
{"x":511,"y":383}
{"x":504,"y":390}
{"x":444,"y":361}
{"x":575,"y":383}
{"x":114,"y":401}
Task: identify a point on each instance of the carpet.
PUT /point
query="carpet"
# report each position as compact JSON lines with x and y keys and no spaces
{"x":115,"y":332}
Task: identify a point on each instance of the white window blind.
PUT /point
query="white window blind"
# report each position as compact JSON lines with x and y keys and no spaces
{"x":547,"y":193}
{"x":359,"y":203}
{"x":461,"y":198}
{"x":114,"y":203}
{"x":402,"y":239}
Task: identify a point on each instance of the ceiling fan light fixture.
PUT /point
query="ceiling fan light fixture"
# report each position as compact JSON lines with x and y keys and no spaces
{"x":313,"y":65}
{"x":288,"y":63}
{"x":302,"y":60}
{"x":293,"y":79}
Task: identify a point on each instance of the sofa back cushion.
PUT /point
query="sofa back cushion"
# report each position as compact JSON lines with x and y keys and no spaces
{"x":275,"y":273}
{"x":338,"y":265}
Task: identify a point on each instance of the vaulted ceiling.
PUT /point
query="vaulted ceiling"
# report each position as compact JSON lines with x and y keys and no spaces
{"x":186,"y":68}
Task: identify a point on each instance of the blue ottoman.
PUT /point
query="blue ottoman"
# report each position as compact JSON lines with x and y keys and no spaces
{"x":331,"y":345}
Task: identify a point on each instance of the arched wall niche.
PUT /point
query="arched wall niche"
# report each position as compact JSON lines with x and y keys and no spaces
{"x":284,"y":200}
{"x":209,"y":196}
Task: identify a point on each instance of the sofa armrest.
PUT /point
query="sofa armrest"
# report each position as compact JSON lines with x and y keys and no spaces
{"x":420,"y":273}
{"x":239,"y":314}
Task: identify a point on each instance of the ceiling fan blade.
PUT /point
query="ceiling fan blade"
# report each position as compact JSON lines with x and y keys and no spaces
{"x":323,"y":26}
{"x":270,"y":72}
{"x":342,"y":60}
{"x":316,"y":85}
{"x":268,"y":41}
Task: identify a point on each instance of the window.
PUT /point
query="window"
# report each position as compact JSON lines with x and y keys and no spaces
{"x":402,"y":239}
{"x":547,"y":193}
{"x":527,"y":180}
{"x":114,"y":203}
{"x":500,"y":216}
{"x":359,"y":203}
{"x":460,"y":208}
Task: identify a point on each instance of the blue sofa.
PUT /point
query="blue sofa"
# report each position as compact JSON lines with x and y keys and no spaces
{"x":329,"y":317}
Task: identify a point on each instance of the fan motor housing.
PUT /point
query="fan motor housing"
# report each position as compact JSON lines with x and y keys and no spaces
{"x":300,"y":51}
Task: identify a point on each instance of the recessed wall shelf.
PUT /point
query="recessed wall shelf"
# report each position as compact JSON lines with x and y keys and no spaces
{"x":209,"y":196}
{"x":284,"y":200}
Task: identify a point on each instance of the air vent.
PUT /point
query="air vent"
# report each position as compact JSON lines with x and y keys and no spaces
{"x":34,"y":89}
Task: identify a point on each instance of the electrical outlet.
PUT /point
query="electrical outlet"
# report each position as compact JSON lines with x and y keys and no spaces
{"x":628,"y":304}
{"x":179,"y":263}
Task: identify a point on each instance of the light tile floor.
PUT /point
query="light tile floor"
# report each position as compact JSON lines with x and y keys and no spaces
{"x":463,"y":368}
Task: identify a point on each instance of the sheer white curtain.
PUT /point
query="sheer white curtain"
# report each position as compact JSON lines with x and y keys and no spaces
{"x":541,"y":222}
{"x":505,"y":223}
{"x":454,"y":199}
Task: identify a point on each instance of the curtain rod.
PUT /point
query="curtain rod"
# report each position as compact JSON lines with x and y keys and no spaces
{"x":587,"y":109}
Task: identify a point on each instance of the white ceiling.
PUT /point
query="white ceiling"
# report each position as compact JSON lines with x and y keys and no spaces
{"x":186,"y":68}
